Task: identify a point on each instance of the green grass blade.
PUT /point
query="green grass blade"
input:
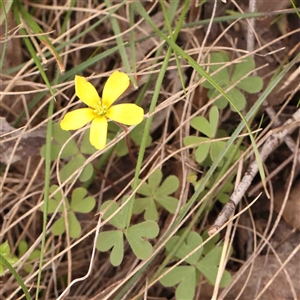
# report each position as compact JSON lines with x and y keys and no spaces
{"x":119,"y":39}
{"x":16,"y":275}
{"x":31,"y":49}
{"x":3,"y":17}
{"x":36,"y":29}
{"x":4,"y":9}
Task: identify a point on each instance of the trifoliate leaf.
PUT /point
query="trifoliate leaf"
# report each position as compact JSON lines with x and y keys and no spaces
{"x":186,"y":277}
{"x":137,"y":235}
{"x":242,"y":68}
{"x":119,"y":219}
{"x":208,"y":266}
{"x":202,"y":151}
{"x":190,"y":140}
{"x":251,"y":84}
{"x":168,"y":202}
{"x":81,"y":204}
{"x":112,"y":239}
{"x":201,"y":124}
{"x":146,"y":204}
{"x":73,"y":165}
{"x":74,"y":225}
{"x":168,"y":187}
{"x":155,"y":179}
{"x":192,"y":241}
{"x":156,"y":193}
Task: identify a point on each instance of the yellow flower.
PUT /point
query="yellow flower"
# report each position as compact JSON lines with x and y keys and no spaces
{"x":99,"y":110}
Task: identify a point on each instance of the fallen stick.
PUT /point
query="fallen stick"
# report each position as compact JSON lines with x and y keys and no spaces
{"x":269,"y":146}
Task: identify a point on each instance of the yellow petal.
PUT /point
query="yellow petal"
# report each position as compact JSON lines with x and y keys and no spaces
{"x":85,"y":91}
{"x":98,"y":133}
{"x":128,"y":114}
{"x":77,"y":118}
{"x":115,"y":86}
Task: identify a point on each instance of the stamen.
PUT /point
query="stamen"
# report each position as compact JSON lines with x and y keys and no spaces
{"x":100,"y":109}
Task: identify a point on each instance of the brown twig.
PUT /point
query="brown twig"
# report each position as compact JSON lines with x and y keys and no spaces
{"x":270,"y":145}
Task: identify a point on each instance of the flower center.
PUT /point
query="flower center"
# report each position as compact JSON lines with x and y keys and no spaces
{"x":100,"y":109}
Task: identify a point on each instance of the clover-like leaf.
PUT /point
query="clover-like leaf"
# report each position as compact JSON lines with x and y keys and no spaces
{"x":60,"y":137}
{"x":216,"y":148}
{"x":205,"y":260}
{"x":208,"y":266}
{"x":209,"y":128}
{"x":55,"y":201}
{"x":110,"y":207}
{"x":144,"y":189}
{"x":242,"y":68}
{"x":80,"y":203}
{"x":112,"y":239}
{"x":5,"y":252}
{"x":35,"y":254}
{"x":146,"y":204}
{"x":137,"y":235}
{"x":74,"y":164}
{"x":192,"y":241}
{"x":85,"y":145}
{"x":154,"y":180}
{"x":201,"y":124}
{"x":250,"y":84}
{"x":202,"y":151}
{"x":59,"y":227}
{"x":156,"y":193}
{"x":71,"y":151}
{"x":218,"y":60}
{"x":168,"y":187}
{"x":185,"y":277}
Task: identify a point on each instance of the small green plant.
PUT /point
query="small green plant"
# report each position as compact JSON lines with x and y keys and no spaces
{"x":156,"y":195}
{"x":79,"y":203}
{"x":204,"y":261}
{"x":136,"y":235}
{"x":74,"y":153}
{"x":34,"y":255}
{"x":5,"y":252}
{"x":230,"y":76}
{"x":209,"y":128}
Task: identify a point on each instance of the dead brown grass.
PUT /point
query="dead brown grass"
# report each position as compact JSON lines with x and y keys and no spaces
{"x":263,"y":241}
